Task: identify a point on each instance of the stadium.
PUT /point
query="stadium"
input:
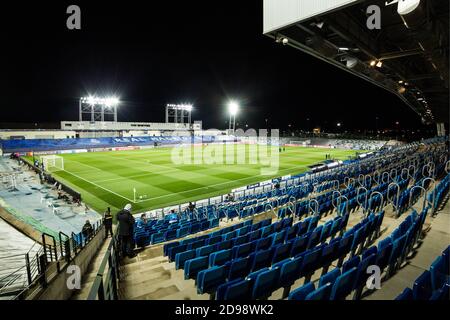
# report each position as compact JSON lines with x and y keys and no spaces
{"x":232,"y":199}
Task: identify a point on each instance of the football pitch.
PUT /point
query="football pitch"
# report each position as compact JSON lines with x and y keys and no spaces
{"x":149,"y":178}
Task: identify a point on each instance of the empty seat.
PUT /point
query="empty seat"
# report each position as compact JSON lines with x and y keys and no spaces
{"x":264,"y":243}
{"x":182,"y":257}
{"x":205,"y":250}
{"x":314,"y":239}
{"x":242,"y":250}
{"x":208,"y":280}
{"x":262,"y":259}
{"x":240,"y":290}
{"x":329,"y":277}
{"x":183,"y":231}
{"x":170,"y":235}
{"x":299,"y":245}
{"x":214,"y":240}
{"x":422,"y":289}
{"x":240,"y":240}
{"x":343,"y":285}
{"x":278,"y":238}
{"x":193,"y":266}
{"x":254,"y":235}
{"x":289,"y":273}
{"x":220,"y":257}
{"x":321,"y":293}
{"x":265,"y":283}
{"x":157,"y":237}
{"x":239,"y":268}
{"x":310,"y":263}
{"x":439,"y":272}
{"x":281,"y":252}
{"x":353,"y":262}
{"x":302,"y":292}
{"x":167,"y":246}
{"x":174,"y":250}
{"x":227,"y":244}
{"x":407,"y":294}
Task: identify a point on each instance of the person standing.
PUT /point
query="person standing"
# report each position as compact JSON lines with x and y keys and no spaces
{"x":126,"y":228}
{"x":107,"y":221}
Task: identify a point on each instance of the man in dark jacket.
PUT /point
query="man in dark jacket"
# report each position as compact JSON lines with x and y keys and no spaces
{"x":126,"y":228}
{"x":107,"y":221}
{"x":87,"y":230}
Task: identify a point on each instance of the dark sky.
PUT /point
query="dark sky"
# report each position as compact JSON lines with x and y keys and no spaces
{"x":203,"y":52}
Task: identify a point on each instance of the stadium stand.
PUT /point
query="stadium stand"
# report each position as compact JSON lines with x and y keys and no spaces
{"x":312,"y":232}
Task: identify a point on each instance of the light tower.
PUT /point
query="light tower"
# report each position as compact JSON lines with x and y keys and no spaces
{"x":233,"y":108}
{"x":178,"y":113}
{"x":98,"y":107}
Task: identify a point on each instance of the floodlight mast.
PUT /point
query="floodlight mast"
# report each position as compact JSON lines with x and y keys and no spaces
{"x":98,"y":107}
{"x":178,"y":113}
{"x":233,"y":108}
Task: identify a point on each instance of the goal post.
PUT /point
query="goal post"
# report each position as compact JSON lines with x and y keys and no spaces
{"x":52,"y":163}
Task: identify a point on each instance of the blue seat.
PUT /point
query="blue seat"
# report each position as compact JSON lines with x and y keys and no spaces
{"x":314,"y":239}
{"x":214,"y":240}
{"x":299,"y":245}
{"x":183,"y":232}
{"x":442,"y":293}
{"x":397,"y":251}
{"x":220,"y":257}
{"x":221,"y":289}
{"x":170,"y":235}
{"x":281,"y":252}
{"x":167,"y":246}
{"x":291,"y":233}
{"x":209,"y":279}
{"x":344,"y":247}
{"x":310,"y":263}
{"x":223,"y":245}
{"x":362,"y":275}
{"x":329,"y":277}
{"x":264,"y":243}
{"x":335,"y":228}
{"x":407,"y":294}
{"x":239,"y":290}
{"x":262,"y":259}
{"x":302,"y":292}
{"x":369,"y":252}
{"x":266,"y":231}
{"x":313,"y":223}
{"x":278,"y":238}
{"x":439,"y":272}
{"x":353,"y":262}
{"x":254,"y":235}
{"x":321,"y":293}
{"x":329,"y":253}
{"x":193,"y":266}
{"x":157,"y":237}
{"x":384,"y":253}
{"x":326,"y":231}
{"x":239,"y":268}
{"x":196,"y":244}
{"x":265,"y":283}
{"x":240,"y":240}
{"x":303,"y":228}
{"x":182,"y":257}
{"x":195,"y":227}
{"x":422,"y":289}
{"x":242,"y":250}
{"x":229,"y":235}
{"x":289,"y":273}
{"x":205,"y":250}
{"x":343,"y":285}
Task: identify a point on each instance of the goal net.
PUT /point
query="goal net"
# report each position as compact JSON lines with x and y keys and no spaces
{"x":53,"y":163}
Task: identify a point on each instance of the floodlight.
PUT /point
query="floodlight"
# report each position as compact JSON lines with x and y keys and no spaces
{"x":373,"y":63}
{"x":233,"y":108}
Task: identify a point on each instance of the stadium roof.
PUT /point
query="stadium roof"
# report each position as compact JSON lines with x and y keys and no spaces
{"x":408,"y":55}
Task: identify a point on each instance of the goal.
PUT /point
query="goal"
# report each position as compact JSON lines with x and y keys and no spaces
{"x":53,"y":163}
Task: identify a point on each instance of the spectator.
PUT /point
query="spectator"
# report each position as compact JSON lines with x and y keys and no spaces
{"x":107,"y":221}
{"x":126,"y":228}
{"x":142,"y":221}
{"x":87,"y":230}
{"x":191,"y":207}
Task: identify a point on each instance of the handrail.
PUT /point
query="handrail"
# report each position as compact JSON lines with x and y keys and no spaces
{"x":394,"y":200}
{"x":424,"y":194}
{"x":366,"y":198}
{"x":316,"y":210}
{"x":370,"y":200}
{"x":346,"y":204}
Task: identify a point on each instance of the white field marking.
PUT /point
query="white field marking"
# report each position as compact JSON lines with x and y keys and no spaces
{"x":212,"y":185}
{"x":99,"y":186}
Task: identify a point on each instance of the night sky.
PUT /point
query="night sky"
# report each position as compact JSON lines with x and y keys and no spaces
{"x":202,"y":52}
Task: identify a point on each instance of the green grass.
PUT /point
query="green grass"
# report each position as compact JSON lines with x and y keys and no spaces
{"x":107,"y":179}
